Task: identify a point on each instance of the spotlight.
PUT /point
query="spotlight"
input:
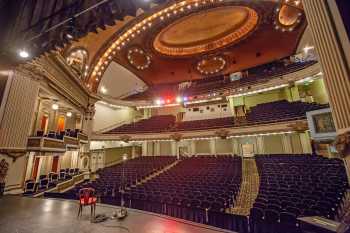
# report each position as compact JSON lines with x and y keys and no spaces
{"x":54,"y":106}
{"x":185,"y":98}
{"x":69,"y":114}
{"x":158,"y":102}
{"x":23,"y":53}
{"x":69,"y":36}
{"x":103,"y":90}
{"x":168,"y":101}
{"x":178,"y":99}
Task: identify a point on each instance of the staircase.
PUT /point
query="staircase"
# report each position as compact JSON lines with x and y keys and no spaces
{"x":157,"y":173}
{"x":249,"y":188}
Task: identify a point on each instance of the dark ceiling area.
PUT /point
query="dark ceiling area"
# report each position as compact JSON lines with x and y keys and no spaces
{"x":43,"y":25}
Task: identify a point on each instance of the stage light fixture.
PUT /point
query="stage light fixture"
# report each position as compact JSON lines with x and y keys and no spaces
{"x":69,"y":114}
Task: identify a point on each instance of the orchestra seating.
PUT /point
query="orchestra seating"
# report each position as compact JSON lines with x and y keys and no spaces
{"x":277,"y":111}
{"x":296,"y":185}
{"x":112,"y":179}
{"x":185,"y":192}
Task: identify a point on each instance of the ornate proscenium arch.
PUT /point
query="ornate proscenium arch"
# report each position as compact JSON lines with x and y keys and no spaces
{"x":246,"y":19}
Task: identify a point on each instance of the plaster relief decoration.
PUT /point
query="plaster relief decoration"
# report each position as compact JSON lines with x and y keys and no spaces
{"x":342,"y":144}
{"x":4,"y":166}
{"x":77,"y":59}
{"x":138,"y":58}
{"x":211,"y":65}
{"x":176,"y":137}
{"x":222,"y":133}
{"x":206,"y":31}
{"x":125,"y":138}
{"x":289,"y":15}
{"x":299,"y":126}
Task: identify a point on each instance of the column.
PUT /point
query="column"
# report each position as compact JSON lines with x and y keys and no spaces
{"x":133,"y":151}
{"x":174,"y":148}
{"x":157,"y":148}
{"x":212,"y":146}
{"x":144,"y":148}
{"x":294,"y":91}
{"x":232,"y":105}
{"x":235,"y":146}
{"x":260,"y":145}
{"x":287,"y":144}
{"x":327,"y":31}
{"x":305,"y":142}
{"x":192,"y":148}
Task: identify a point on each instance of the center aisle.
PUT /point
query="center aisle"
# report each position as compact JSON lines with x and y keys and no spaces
{"x":249,"y":188}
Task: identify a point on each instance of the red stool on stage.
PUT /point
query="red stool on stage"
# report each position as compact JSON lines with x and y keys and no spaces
{"x":87,"y":197}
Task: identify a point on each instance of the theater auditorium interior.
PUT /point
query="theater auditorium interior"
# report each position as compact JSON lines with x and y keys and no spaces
{"x":174,"y":116}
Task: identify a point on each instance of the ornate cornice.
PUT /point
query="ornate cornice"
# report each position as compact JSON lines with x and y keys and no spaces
{"x":342,"y":144}
{"x":53,"y":70}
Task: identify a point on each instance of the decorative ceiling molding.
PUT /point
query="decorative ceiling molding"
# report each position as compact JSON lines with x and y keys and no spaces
{"x":138,"y":58}
{"x":211,"y":65}
{"x":191,"y":35}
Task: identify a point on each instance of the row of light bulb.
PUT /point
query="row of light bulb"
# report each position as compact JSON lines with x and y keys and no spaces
{"x":142,"y":26}
{"x":56,"y":107}
{"x":201,"y":63}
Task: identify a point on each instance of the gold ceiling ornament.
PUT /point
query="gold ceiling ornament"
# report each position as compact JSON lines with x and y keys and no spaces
{"x":176,"y":137}
{"x":138,"y":58}
{"x":299,"y":126}
{"x":289,"y":15}
{"x":171,"y":12}
{"x":206,"y":30}
{"x":222,"y":133}
{"x":211,"y":65}
{"x":125,"y":138}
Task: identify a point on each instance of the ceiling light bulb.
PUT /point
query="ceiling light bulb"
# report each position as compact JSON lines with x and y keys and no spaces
{"x":69,"y":114}
{"x":54,"y":106}
{"x":23,"y":53}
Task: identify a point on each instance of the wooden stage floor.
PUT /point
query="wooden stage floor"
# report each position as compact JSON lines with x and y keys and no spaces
{"x":34,"y":215}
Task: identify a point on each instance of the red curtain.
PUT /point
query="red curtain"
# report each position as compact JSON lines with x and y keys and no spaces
{"x":55,"y":164}
{"x":35,"y":168}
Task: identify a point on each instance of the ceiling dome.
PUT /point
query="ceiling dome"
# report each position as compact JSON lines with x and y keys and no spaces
{"x":288,"y":15}
{"x":206,"y":31}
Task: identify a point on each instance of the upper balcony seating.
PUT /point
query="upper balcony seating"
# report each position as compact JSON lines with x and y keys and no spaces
{"x":153,"y":124}
{"x":277,"y":111}
{"x":59,"y":135}
{"x":292,"y":186}
{"x":224,"y":122}
{"x":254,"y":76}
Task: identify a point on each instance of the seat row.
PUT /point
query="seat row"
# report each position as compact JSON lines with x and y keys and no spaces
{"x":295,"y":186}
{"x":48,"y":181}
